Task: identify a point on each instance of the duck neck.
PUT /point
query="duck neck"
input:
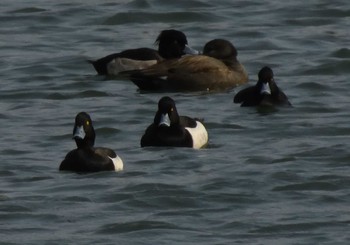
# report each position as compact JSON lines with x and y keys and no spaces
{"x":84,"y":143}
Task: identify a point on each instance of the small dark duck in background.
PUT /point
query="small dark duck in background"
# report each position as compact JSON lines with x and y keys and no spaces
{"x":264,"y":93}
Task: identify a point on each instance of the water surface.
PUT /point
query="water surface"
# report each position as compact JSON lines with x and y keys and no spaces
{"x":267,"y":177}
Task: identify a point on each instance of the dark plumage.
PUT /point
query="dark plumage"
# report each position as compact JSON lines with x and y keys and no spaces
{"x":264,"y":93}
{"x":87,"y":158}
{"x":170,"y":129}
{"x":171,"y":44}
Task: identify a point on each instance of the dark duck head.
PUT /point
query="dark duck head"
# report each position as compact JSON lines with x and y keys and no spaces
{"x":83,"y":131}
{"x":167,"y":114}
{"x":173,"y":44}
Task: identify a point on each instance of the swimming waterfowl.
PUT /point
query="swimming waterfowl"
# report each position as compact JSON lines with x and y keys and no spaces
{"x":170,"y":129}
{"x":217,"y":69}
{"x":171,"y":44}
{"x":87,"y":158}
{"x":265,"y":92}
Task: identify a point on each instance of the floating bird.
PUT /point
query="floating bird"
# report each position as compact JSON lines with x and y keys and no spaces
{"x":87,"y":158}
{"x":171,"y":44}
{"x":170,"y":129}
{"x":264,"y":93}
{"x":216,"y":69}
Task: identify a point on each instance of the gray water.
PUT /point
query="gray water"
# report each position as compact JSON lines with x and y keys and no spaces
{"x":267,"y":177}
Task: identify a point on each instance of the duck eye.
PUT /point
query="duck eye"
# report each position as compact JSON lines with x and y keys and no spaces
{"x":172,"y":109}
{"x":87,"y":123}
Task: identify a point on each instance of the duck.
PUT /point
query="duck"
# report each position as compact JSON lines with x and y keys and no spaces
{"x":171,"y":44}
{"x":86,"y":157}
{"x":264,"y":93}
{"x":216,"y":69}
{"x":171,"y":130}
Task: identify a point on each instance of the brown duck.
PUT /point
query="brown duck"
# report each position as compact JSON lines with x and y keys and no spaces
{"x":216,"y":69}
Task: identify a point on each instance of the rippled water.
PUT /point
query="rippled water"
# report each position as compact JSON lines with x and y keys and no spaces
{"x":267,"y":177}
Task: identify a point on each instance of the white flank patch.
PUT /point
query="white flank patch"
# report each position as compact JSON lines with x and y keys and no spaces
{"x":124,"y":64}
{"x":118,"y":163}
{"x":199,"y":135}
